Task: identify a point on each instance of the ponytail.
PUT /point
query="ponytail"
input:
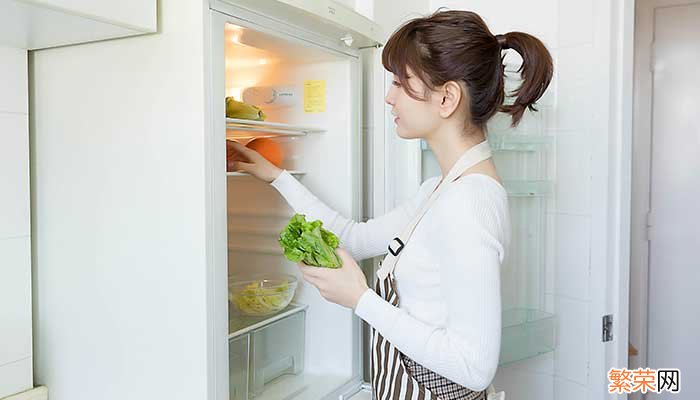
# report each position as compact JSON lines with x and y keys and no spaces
{"x":536,"y":72}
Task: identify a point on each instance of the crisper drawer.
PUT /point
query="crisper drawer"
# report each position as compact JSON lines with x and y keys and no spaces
{"x":276,"y":349}
{"x":238,"y":361}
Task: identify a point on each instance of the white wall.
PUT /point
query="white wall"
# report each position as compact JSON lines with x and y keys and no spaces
{"x":15,"y":264}
{"x":577,"y":33}
{"x":119,"y":208}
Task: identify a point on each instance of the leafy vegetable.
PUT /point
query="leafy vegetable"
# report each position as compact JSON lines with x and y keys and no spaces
{"x":254,"y":300}
{"x":309,"y":242}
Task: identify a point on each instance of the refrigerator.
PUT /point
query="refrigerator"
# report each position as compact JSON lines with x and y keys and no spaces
{"x":308,"y":83}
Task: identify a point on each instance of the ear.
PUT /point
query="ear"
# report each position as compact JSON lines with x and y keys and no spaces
{"x":450,"y":96}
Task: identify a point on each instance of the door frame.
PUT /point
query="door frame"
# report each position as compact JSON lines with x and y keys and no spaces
{"x":615,"y":213}
{"x":641,"y":175}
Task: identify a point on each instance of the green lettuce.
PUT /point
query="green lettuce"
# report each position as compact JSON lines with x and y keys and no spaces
{"x":307,"y":241}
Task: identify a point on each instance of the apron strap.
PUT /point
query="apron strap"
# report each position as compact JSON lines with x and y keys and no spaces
{"x":469,"y":158}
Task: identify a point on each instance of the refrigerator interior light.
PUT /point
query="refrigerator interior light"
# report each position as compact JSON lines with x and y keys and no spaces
{"x":234,"y":92}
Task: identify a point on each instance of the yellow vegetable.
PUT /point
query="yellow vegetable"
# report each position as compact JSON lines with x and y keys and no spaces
{"x":254,"y":300}
{"x":237,"y":109}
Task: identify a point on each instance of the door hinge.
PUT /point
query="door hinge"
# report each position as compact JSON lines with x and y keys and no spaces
{"x":607,"y":327}
{"x":649,"y":225}
{"x":652,"y":56}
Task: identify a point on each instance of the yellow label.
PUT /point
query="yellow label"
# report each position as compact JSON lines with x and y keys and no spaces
{"x":314,"y":96}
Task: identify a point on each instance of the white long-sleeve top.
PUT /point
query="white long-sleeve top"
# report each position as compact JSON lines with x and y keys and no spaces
{"x":447,"y":277}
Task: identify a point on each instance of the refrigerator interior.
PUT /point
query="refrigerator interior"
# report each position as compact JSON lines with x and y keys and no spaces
{"x":311,"y":348}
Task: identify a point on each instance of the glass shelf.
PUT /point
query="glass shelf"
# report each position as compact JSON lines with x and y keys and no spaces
{"x":243,"y":128}
{"x":526,"y":333}
{"x":528,"y":188}
{"x":520,"y":143}
{"x":298,"y":173}
{"x":241,"y":324}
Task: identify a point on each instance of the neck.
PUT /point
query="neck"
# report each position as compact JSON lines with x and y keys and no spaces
{"x":449,"y":143}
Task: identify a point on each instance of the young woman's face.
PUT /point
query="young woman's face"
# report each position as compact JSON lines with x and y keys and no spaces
{"x":413,"y":118}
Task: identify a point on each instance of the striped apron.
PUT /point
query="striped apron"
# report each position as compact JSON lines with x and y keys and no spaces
{"x":395,"y":376}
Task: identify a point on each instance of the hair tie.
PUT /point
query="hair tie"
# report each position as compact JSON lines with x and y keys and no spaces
{"x":502,"y":41}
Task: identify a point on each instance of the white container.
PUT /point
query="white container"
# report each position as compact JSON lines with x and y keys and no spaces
{"x":284,"y":96}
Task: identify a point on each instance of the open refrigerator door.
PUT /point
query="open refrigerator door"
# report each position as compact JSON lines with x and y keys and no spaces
{"x":297,"y":101}
{"x":525,"y":158}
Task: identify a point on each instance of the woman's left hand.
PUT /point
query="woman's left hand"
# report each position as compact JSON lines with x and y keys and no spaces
{"x":344,"y":285}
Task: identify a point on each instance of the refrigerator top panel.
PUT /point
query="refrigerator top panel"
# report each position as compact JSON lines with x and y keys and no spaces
{"x":340,"y":26}
{"x":250,"y":48}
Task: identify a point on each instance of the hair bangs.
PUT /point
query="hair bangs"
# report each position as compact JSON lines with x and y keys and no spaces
{"x":400,"y":54}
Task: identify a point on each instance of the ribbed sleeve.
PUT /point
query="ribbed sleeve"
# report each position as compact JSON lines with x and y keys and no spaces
{"x":469,"y":232}
{"x":362,"y":239}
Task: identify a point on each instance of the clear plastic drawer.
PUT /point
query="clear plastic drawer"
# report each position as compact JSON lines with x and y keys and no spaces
{"x":277,"y":349}
{"x":238,"y":350}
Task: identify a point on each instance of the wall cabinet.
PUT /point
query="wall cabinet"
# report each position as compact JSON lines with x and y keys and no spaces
{"x":40,"y":24}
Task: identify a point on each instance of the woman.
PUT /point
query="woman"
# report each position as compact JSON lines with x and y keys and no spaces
{"x":443,"y":341}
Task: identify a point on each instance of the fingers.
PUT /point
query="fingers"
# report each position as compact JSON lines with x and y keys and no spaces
{"x":310,"y":274}
{"x":240,"y":152}
{"x":240,"y":166}
{"x":344,"y":255}
{"x":314,"y":272}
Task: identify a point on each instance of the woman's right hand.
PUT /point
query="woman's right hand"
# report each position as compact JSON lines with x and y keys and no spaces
{"x":248,"y":160}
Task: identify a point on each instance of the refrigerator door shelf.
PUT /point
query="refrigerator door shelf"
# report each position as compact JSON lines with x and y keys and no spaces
{"x":519,"y":143}
{"x":502,"y":142}
{"x":526,"y":333}
{"x":528,"y":188}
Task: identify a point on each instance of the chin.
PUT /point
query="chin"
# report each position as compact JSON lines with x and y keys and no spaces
{"x":403,"y":134}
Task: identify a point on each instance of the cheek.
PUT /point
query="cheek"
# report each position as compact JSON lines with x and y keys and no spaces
{"x":417,"y":118}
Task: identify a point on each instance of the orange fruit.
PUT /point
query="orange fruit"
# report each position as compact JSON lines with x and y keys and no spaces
{"x":268,"y":148}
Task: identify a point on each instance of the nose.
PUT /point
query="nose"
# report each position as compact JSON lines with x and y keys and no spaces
{"x":389,"y":99}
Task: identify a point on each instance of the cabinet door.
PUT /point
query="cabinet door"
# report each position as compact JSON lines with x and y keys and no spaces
{"x":138,"y":14}
{"x":49,"y":23}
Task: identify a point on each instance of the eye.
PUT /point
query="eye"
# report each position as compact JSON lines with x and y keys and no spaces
{"x":396,"y":83}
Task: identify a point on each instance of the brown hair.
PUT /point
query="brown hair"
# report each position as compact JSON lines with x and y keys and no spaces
{"x":458,"y":46}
